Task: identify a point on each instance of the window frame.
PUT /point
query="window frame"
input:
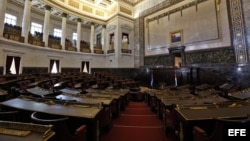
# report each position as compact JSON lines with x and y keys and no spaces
{"x":10,"y":17}
{"x":34,"y":26}
{"x":57,"y":32}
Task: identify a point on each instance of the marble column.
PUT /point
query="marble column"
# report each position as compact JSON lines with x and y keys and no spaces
{"x":92,"y":37}
{"x":104,"y":33}
{"x":26,"y":20}
{"x":46,"y":24}
{"x":64,"y":23}
{"x":3,"y":5}
{"x":79,"y":31}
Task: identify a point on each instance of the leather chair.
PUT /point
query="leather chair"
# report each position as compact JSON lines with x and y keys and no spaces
{"x":171,"y":123}
{"x":115,"y":109}
{"x":105,"y":118}
{"x":60,"y":127}
{"x":140,"y":97}
{"x":153,"y":103}
{"x":220,"y":131}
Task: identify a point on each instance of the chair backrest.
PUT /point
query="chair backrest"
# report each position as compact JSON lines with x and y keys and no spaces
{"x":171,"y":120}
{"x":59,"y":125}
{"x":47,"y":118}
{"x":105,"y":119}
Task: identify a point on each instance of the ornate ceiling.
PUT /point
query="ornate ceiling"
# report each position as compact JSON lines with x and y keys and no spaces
{"x":107,"y":3}
{"x":96,"y":9}
{"x":99,"y":3}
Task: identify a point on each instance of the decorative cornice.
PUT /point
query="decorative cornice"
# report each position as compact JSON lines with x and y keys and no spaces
{"x":132,"y":2}
{"x":111,"y":27}
{"x":55,"y":56}
{"x":126,"y":26}
{"x":178,"y":9}
{"x":17,"y":52}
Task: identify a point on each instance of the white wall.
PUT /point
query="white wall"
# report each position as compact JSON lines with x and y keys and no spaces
{"x":34,"y":56}
{"x":208,"y":27}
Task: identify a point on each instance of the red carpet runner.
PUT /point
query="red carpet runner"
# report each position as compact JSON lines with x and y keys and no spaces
{"x":136,"y":123}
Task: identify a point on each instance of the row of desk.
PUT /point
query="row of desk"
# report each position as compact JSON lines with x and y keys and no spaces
{"x":201,"y":108}
{"x":69,"y":103}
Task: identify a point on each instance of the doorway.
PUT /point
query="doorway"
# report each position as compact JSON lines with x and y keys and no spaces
{"x":177,"y":56}
{"x":177,"y":60}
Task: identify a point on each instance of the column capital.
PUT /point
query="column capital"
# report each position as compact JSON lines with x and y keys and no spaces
{"x":103,"y":26}
{"x":47,"y":7}
{"x":92,"y":23}
{"x":64,"y":15}
{"x":79,"y":20}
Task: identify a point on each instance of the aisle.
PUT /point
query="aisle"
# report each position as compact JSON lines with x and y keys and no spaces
{"x":136,"y":123}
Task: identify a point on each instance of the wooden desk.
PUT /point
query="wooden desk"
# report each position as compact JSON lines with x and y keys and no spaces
{"x":114,"y":93}
{"x":211,"y":111}
{"x":35,"y":132}
{"x":5,"y":85}
{"x":155,"y":98}
{"x":76,"y":110}
{"x":116,"y":99}
{"x":38,"y":83}
{"x":192,"y":115}
{"x":192,"y":100}
{"x":83,"y":99}
{"x":104,"y":95}
{"x":47,"y":106}
{"x":240,"y":95}
{"x":38,"y":91}
{"x":120,"y":95}
{"x":70,"y":91}
{"x":165,"y":93}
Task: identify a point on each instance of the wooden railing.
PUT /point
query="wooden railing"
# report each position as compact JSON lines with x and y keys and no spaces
{"x":69,"y":46}
{"x":13,"y":33}
{"x":111,"y":51}
{"x":126,"y":51}
{"x":36,"y":39}
{"x":84,"y":47}
{"x":54,"y":42}
{"x":98,"y":49}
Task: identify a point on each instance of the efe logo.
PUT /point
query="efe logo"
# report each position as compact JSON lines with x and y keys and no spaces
{"x":237,"y":132}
